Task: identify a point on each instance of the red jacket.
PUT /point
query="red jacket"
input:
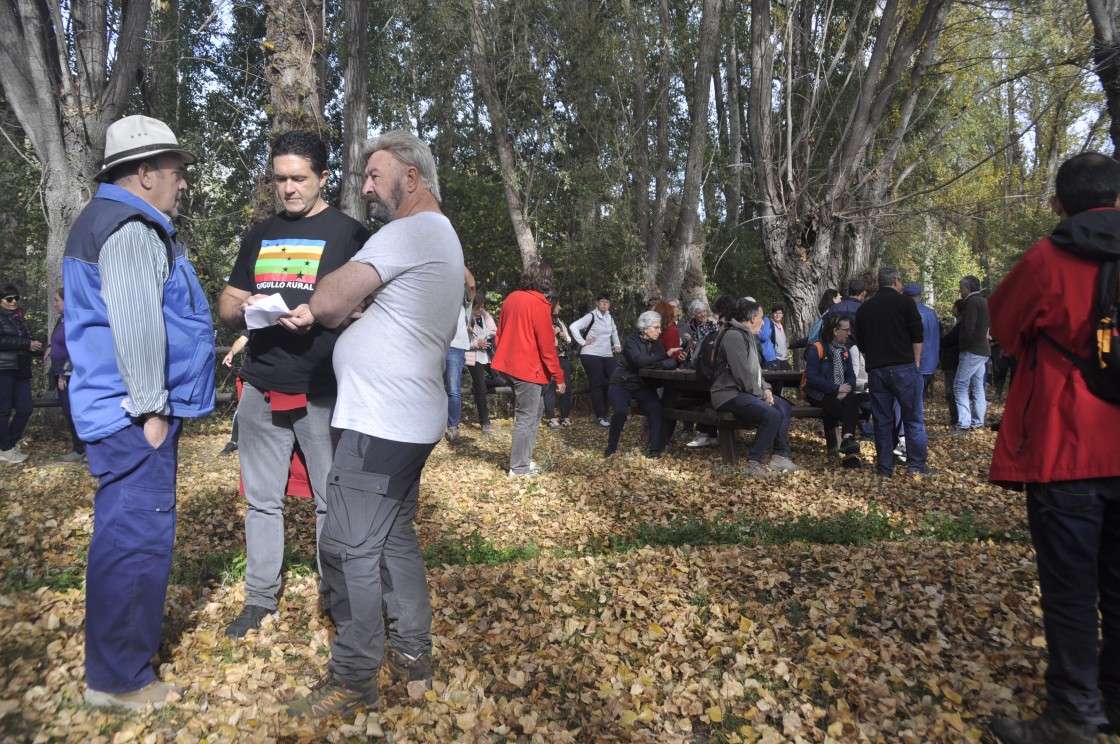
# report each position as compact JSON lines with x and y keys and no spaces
{"x":1053,"y":427}
{"x":525,"y":341}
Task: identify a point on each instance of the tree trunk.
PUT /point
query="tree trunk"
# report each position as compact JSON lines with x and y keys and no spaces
{"x":355,"y":108}
{"x":65,"y":90}
{"x":516,"y":203}
{"x":1106,"y":54}
{"x":689,"y":217}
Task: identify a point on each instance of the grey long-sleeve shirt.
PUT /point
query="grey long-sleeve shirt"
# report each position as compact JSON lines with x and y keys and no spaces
{"x":134,"y":268}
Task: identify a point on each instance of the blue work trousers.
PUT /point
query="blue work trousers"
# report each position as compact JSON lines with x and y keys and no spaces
{"x":1075,"y":527}
{"x":901,"y":384}
{"x":129,"y":555}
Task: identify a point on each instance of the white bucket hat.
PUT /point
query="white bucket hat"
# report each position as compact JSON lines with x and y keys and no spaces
{"x":138,"y":138}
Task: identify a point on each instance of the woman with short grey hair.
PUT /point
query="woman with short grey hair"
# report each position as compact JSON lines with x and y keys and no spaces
{"x":700,"y":325}
{"x":640,"y":350}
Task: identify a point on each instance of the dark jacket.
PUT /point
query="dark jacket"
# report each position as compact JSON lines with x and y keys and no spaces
{"x":640,"y":353}
{"x":951,"y":348}
{"x":974,"y":326}
{"x":890,"y":325}
{"x":15,"y":344}
{"x":743,"y":371}
{"x":818,"y":372}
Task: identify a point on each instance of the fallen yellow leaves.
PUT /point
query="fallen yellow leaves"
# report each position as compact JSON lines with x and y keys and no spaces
{"x":913,"y":641}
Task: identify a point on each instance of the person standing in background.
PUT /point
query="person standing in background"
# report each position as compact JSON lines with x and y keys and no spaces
{"x":598,"y":339}
{"x":16,"y":347}
{"x":551,"y":397}
{"x":968,"y":385}
{"x":482,"y":330}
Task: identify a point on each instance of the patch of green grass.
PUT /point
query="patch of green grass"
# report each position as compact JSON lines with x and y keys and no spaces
{"x":965,"y":528}
{"x":473,"y":550}
{"x":190,"y":569}
{"x":24,"y":579}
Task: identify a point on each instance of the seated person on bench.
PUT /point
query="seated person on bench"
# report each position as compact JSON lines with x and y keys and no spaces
{"x":738,"y":388}
{"x":640,"y":350}
{"x":830,"y":381}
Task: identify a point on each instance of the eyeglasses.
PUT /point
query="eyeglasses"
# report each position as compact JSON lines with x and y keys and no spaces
{"x":843,"y":330}
{"x":11,"y":298}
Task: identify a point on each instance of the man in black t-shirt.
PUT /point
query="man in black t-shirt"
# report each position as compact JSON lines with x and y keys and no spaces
{"x":891,"y":341}
{"x":288,"y":380}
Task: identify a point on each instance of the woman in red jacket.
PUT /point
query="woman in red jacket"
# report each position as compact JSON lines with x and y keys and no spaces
{"x":527,"y":354}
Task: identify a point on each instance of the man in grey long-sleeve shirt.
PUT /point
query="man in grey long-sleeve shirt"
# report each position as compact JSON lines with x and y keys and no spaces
{"x":142,"y":347}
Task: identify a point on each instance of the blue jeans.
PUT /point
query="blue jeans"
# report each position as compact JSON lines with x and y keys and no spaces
{"x":453,"y":383}
{"x":129,"y":555}
{"x":969,"y":383}
{"x":901,"y":384}
{"x":772,"y":422}
{"x":1075,"y":528}
{"x":15,"y":409}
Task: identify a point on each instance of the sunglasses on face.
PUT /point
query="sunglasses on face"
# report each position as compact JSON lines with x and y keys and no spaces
{"x":11,"y":298}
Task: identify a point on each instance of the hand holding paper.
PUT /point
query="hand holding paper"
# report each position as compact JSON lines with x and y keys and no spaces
{"x":265,"y":312}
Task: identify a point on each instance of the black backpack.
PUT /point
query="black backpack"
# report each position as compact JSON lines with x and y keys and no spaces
{"x":1102,"y":370}
{"x":707,"y":361}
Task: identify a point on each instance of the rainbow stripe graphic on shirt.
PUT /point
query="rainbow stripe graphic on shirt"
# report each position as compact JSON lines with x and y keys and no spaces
{"x":290,"y":262}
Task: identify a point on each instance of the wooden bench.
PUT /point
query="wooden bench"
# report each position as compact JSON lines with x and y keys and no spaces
{"x":677,"y":381}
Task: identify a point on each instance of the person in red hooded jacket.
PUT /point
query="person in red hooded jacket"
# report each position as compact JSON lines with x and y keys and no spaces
{"x":527,"y":353}
{"x":1059,"y":441}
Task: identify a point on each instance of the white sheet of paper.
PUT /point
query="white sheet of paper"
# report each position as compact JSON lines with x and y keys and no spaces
{"x":266,"y":312}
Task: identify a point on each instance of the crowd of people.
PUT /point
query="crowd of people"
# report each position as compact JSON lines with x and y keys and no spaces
{"x":132,"y":356}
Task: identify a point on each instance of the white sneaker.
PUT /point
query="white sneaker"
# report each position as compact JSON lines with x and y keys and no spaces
{"x":530,"y":474}
{"x":12,"y":455}
{"x":778,"y":462}
{"x":703,"y":440}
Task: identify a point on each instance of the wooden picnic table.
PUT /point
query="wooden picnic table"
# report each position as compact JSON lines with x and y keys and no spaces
{"x":686,"y":399}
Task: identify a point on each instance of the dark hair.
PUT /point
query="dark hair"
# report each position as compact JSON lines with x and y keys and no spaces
{"x":828,"y":299}
{"x":745,"y":310}
{"x":723,"y":306}
{"x":61,"y":292}
{"x":959,"y":306}
{"x":604,"y":295}
{"x":828,"y":328}
{"x":304,"y":145}
{"x":1087,"y":181}
{"x":555,"y":305}
{"x":479,"y":300}
{"x":971,"y":283}
{"x":857,"y":285}
{"x":777,"y":308}
{"x":9,"y":289}
{"x":537,"y":276}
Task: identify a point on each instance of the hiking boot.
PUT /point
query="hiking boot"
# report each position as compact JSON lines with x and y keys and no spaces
{"x":703,"y":440}
{"x":1048,"y":728}
{"x":486,"y":429}
{"x":410,"y":670}
{"x":228,"y":450}
{"x":851,"y":461}
{"x":70,"y":457}
{"x":333,"y":696}
{"x":452,"y":435}
{"x":929,"y":471}
{"x":249,"y":619}
{"x":154,"y":694}
{"x":554,"y":423}
{"x":849,"y":445}
{"x":782,"y":463}
{"x":755,"y":469}
{"x":12,"y":455}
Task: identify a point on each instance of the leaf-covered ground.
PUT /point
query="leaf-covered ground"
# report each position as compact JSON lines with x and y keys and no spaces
{"x":607,"y":600}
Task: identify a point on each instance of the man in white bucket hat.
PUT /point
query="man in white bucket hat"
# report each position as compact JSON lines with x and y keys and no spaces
{"x":142,"y":344}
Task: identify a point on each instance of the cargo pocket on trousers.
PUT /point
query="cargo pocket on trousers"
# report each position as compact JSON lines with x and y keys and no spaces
{"x":353,"y":500}
{"x":146,"y":521}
